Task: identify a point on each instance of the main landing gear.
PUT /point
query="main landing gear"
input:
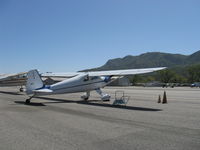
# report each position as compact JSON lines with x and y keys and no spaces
{"x":104,"y":96}
{"x":85,"y":96}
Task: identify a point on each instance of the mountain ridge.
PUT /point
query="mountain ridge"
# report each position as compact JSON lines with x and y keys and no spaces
{"x":150,"y":59}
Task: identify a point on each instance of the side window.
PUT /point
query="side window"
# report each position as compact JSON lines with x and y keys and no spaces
{"x":86,"y":78}
{"x":94,"y":78}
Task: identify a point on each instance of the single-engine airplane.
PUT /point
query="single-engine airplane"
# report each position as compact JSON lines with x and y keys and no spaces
{"x":78,"y":82}
{"x":73,"y":82}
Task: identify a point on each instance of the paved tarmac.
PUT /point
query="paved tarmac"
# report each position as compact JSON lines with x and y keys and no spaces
{"x":63,"y":122}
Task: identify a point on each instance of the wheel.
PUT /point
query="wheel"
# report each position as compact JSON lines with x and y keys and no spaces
{"x":106,"y":97}
{"x":106,"y":100}
{"x":28,"y":101}
{"x":21,"y":90}
{"x":86,"y":98}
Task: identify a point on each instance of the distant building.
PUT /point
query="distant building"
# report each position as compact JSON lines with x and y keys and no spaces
{"x":154,"y":84}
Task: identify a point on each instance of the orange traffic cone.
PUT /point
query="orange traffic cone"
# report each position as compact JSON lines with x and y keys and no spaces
{"x":159,"y":99}
{"x":164,"y":98}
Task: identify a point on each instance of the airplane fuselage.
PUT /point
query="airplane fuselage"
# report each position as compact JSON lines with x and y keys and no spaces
{"x":80,"y":83}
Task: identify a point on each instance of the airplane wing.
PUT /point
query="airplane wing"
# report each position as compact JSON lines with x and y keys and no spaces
{"x":104,"y":73}
{"x":60,"y":75}
{"x":124,"y":72}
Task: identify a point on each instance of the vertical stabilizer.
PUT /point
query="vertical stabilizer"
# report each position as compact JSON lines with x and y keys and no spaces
{"x":34,"y":81}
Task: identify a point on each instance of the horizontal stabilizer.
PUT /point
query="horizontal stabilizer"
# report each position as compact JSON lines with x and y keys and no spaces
{"x":43,"y":91}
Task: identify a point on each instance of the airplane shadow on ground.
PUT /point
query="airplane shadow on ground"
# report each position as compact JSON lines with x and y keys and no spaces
{"x":92,"y":103}
{"x":21,"y":102}
{"x":11,"y":93}
{"x":31,"y":104}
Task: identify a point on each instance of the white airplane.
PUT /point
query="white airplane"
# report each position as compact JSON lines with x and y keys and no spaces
{"x":78,"y":82}
{"x":18,"y":79}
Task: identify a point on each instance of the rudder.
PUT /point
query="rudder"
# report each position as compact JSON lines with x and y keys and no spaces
{"x":34,"y":81}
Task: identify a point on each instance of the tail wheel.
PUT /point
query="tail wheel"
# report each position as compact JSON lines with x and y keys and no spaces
{"x":28,"y":101}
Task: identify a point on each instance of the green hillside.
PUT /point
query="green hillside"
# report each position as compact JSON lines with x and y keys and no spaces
{"x":151,"y":59}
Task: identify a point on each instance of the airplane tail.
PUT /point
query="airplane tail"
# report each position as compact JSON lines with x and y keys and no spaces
{"x":34,"y":81}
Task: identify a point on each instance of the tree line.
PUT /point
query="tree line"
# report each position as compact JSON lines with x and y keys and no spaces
{"x":187,"y":74}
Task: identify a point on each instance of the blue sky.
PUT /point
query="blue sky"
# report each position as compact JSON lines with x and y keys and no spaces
{"x":71,"y":35}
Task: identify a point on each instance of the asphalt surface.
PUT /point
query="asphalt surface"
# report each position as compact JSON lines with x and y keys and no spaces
{"x":65,"y":122}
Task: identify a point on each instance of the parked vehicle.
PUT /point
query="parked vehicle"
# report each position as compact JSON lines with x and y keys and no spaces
{"x":195,"y":84}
